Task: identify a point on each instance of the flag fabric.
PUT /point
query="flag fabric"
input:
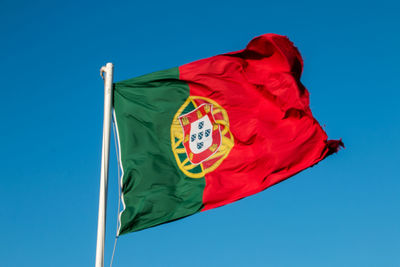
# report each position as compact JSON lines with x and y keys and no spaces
{"x":213,"y":131}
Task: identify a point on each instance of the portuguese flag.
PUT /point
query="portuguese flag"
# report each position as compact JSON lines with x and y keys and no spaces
{"x":213,"y":131}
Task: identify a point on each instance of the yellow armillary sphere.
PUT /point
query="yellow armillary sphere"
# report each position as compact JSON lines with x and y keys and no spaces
{"x":217,"y":139}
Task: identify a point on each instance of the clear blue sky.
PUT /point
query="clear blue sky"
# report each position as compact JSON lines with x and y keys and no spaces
{"x":343,"y":212}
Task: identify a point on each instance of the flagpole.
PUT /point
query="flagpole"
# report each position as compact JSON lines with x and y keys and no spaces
{"x":106,"y":73}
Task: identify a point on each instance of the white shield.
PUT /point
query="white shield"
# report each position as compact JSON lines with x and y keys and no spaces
{"x":200,"y":135}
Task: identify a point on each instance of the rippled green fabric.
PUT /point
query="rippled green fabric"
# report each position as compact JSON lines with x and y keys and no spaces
{"x":154,"y":190}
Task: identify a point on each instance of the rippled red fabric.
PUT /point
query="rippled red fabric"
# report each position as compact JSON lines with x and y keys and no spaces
{"x":275,"y":133}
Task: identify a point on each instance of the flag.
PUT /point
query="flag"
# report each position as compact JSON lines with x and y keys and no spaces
{"x":213,"y":131}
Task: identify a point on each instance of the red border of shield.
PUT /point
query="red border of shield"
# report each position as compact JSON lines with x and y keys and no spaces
{"x":186,"y":121}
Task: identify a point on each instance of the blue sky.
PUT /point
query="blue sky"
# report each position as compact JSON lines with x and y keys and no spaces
{"x":342,"y":212}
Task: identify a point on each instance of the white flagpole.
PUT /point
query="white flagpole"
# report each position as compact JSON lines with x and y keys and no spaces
{"x":107,"y":70}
